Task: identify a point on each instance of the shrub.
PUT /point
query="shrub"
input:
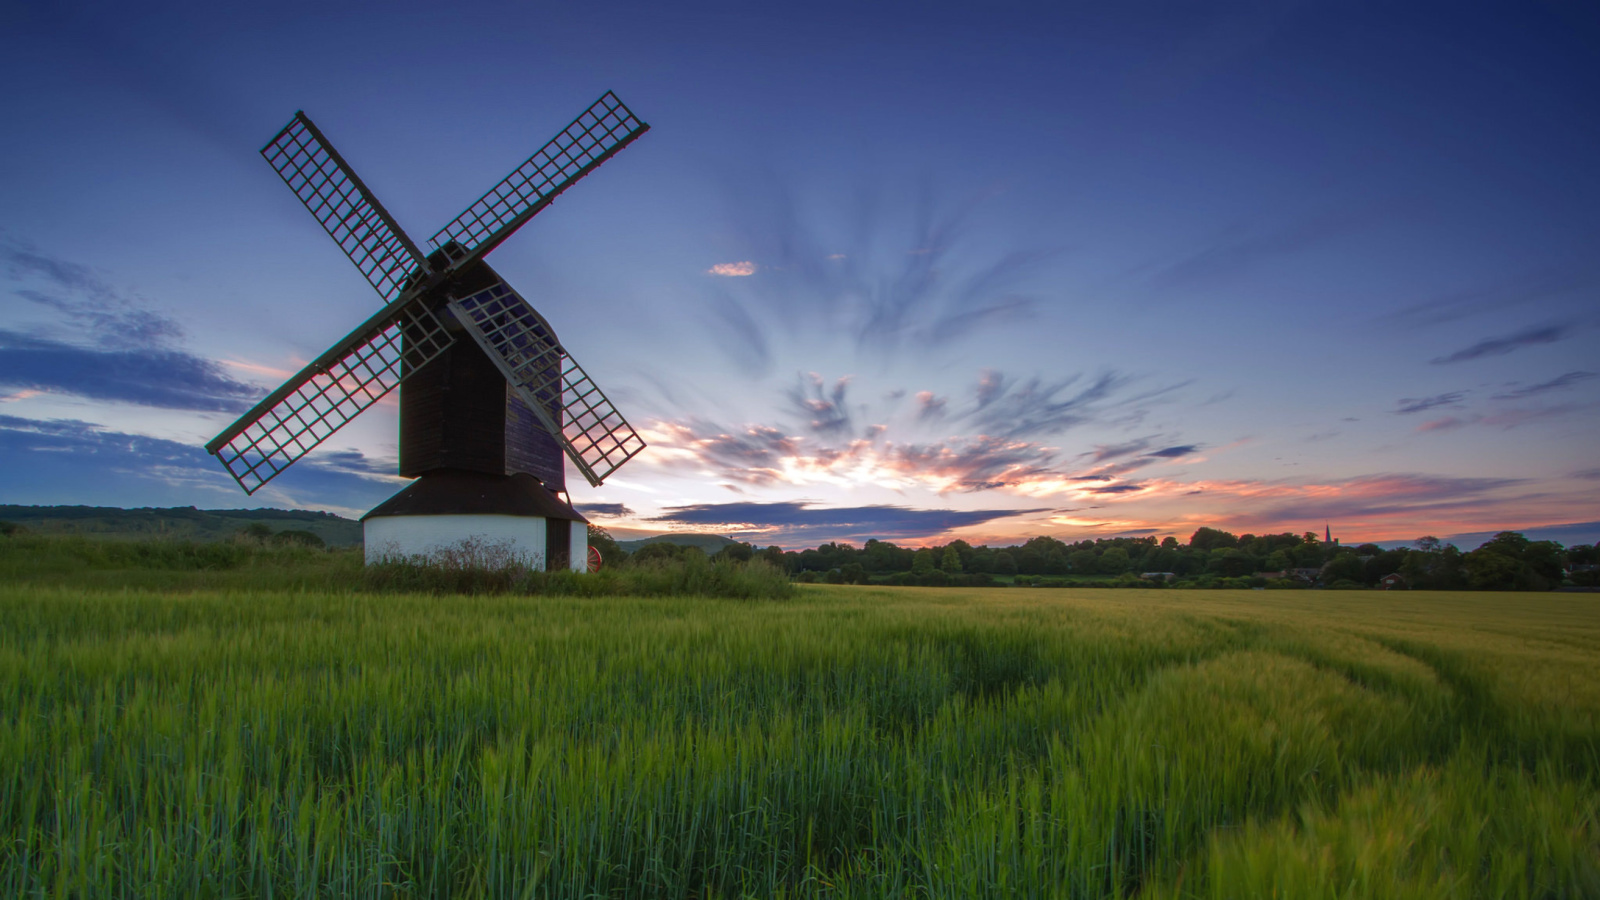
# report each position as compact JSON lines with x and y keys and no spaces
{"x":485,"y":568}
{"x":303,"y":538}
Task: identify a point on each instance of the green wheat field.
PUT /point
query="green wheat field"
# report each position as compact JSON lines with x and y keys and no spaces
{"x":274,"y":726}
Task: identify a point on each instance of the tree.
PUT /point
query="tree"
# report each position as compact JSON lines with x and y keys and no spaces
{"x":1386,"y":562}
{"x":1489,"y":570}
{"x":1211,"y":538}
{"x":964,"y":551}
{"x":610,"y":553}
{"x":1005,"y":563}
{"x":736,"y":552}
{"x":922,"y":562}
{"x":1082,"y":562}
{"x":658,"y":551}
{"x":951,"y":562}
{"x":1438,"y":569}
{"x":776,"y":557}
{"x":1509,"y":561}
{"x":1230,"y":563}
{"x":1344,"y":567}
{"x":1114,"y":561}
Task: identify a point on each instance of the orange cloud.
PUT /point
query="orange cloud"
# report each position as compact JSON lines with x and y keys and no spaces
{"x":733,"y":269}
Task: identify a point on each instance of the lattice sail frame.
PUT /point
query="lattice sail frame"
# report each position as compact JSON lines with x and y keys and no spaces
{"x":523,"y":346}
{"x":325,"y":395}
{"x":593,"y":137}
{"x":373,"y":360}
{"x":344,"y":207}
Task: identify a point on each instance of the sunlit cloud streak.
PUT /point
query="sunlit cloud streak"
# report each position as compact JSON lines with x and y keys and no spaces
{"x":1406,"y":497}
{"x":803,"y":523}
{"x":733,"y":269}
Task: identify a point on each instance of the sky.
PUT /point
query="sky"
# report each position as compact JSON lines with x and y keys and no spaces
{"x":907,"y":272}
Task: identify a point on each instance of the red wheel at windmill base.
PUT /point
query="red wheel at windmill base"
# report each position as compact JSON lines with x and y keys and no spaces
{"x":595,"y":560}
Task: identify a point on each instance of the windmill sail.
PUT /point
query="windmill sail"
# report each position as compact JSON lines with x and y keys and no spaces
{"x":522,"y":344}
{"x":593,"y":137}
{"x":351,"y":376}
{"x":344,"y":207}
{"x":550,"y":400}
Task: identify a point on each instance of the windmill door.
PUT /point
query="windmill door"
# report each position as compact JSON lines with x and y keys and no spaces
{"x":557,"y":544}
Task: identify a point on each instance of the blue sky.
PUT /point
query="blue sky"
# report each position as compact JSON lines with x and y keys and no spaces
{"x":898,"y":271}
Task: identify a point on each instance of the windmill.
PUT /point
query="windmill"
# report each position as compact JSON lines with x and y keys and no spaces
{"x":491,"y":401}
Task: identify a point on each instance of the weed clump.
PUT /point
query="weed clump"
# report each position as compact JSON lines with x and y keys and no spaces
{"x":485,"y":567}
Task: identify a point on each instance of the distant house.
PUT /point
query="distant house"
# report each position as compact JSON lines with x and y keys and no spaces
{"x":1311,"y":574}
{"x":1158,"y":576}
{"x":1273,"y":576}
{"x":1392,"y":582}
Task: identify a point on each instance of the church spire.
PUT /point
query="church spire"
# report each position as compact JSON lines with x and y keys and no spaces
{"x":1327,"y":533}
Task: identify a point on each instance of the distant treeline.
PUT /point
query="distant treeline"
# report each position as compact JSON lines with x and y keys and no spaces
{"x":178,"y":523}
{"x":1211,"y":558}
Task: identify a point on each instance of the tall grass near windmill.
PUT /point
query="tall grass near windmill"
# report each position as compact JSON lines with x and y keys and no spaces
{"x":298,"y":742}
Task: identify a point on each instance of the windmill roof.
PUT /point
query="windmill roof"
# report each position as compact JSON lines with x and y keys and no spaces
{"x":450,"y":492}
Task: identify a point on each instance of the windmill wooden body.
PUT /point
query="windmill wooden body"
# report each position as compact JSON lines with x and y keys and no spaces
{"x":491,"y":404}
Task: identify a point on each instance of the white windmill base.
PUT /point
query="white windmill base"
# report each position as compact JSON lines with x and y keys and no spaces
{"x":472,"y":519}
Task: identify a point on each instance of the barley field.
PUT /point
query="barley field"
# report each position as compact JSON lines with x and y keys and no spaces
{"x":277,"y":730}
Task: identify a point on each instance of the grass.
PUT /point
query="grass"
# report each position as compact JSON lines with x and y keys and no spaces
{"x":280,"y":728}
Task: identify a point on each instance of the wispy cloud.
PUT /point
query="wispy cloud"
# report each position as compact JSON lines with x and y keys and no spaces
{"x":1017,"y":408}
{"x":1117,"y":489}
{"x":1408,"y":405}
{"x":1233,"y":257}
{"x":104,"y":344}
{"x":930,"y":406}
{"x":171,"y":379}
{"x":1558,"y":285}
{"x":1545,"y":334}
{"x":1112,"y":451}
{"x":733,"y":269}
{"x":822,"y":407}
{"x":69,"y":460}
{"x":884,"y":282}
{"x":1554,"y":384}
